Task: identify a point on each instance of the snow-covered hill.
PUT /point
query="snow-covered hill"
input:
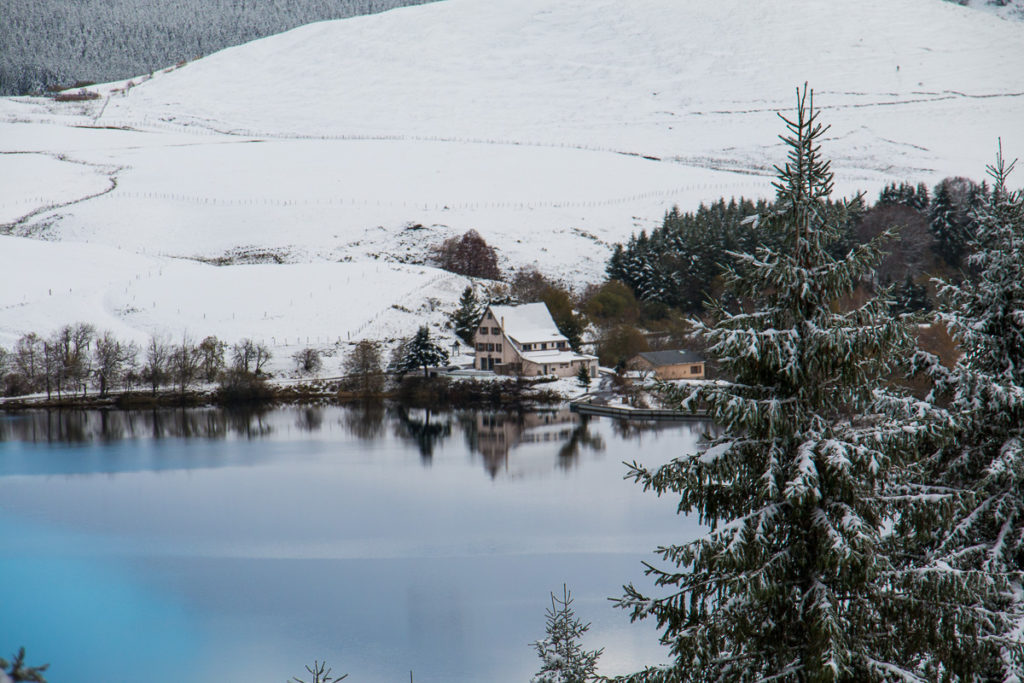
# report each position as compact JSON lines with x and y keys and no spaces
{"x":554,"y":128}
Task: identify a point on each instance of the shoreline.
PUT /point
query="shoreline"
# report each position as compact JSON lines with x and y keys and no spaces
{"x":430,"y":392}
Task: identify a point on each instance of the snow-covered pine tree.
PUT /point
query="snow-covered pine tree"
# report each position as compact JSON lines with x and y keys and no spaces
{"x":795,"y":580}
{"x":909,"y":296}
{"x":985,"y":393}
{"x":563,"y":659}
{"x":421,"y":352}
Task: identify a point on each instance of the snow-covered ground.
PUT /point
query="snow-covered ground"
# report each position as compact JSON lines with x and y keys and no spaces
{"x":321,"y":164}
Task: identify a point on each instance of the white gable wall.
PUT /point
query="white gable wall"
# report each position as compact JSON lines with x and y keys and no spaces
{"x":526,"y":339}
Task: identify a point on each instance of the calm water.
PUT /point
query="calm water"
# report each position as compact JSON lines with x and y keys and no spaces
{"x":201,"y":545}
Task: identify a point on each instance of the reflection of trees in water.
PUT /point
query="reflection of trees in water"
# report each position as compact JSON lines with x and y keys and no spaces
{"x":489,"y":435}
{"x":248,"y":422}
{"x":310,"y":419}
{"x":425,"y":433}
{"x":467,"y":420}
{"x":365,"y":420}
{"x":581,"y":437}
{"x":85,"y":426}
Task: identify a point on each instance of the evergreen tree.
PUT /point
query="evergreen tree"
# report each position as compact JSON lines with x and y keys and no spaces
{"x":950,"y":216}
{"x":905,"y":194}
{"x":466,"y":317}
{"x":909,"y":297}
{"x":985,"y":391}
{"x":16,"y":670}
{"x":321,"y":673}
{"x":583,"y":376}
{"x":563,"y":658}
{"x":795,"y":580}
{"x":421,"y":352}
{"x":921,"y":199}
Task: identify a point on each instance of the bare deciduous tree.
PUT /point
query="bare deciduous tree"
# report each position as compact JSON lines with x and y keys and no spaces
{"x":154,"y":371}
{"x":28,"y":360}
{"x":363,"y":369}
{"x":111,"y":361}
{"x":211,"y":357}
{"x":68,"y":359}
{"x":184,"y":364}
{"x":249,"y":356}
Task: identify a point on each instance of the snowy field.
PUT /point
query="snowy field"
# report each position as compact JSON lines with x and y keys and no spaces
{"x":319,"y":166}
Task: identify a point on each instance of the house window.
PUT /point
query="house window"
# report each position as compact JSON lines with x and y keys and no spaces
{"x":490,"y":316}
{"x":694,"y":369}
{"x":483,"y":363}
{"x":490,"y":347}
{"x":526,"y":347}
{"x":561,"y":345}
{"x":495,"y":330}
{"x":497,"y":347}
{"x":483,"y":330}
{"x":480,"y":347}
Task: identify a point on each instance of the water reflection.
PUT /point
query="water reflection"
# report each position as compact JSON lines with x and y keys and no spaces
{"x":99,"y":426}
{"x":491,"y":435}
{"x":365,"y":421}
{"x":417,"y":427}
{"x":268,"y":538}
{"x":494,"y":434}
{"x":310,"y":419}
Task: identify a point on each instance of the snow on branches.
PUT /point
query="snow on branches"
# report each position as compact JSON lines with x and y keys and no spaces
{"x":799,"y":578}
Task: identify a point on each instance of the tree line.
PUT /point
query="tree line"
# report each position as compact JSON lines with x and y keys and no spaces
{"x":76,"y":357}
{"x":680,"y":265}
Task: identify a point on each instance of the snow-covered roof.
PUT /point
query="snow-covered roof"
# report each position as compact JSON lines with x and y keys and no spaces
{"x":528,"y":323}
{"x":556,"y":356}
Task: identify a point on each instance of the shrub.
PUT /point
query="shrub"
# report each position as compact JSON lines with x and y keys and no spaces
{"x":308,"y":361}
{"x":612,"y":301}
{"x":82,"y":95}
{"x":239,"y":386}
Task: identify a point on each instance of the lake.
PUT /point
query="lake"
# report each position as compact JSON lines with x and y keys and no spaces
{"x":208,"y":545}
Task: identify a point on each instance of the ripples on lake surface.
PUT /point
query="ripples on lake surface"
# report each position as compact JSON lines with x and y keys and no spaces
{"x":211,"y":545}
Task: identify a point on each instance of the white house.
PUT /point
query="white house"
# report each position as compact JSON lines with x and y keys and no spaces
{"x":525,"y":340}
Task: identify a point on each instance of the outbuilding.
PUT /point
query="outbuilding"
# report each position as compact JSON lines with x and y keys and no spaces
{"x":673,"y":364}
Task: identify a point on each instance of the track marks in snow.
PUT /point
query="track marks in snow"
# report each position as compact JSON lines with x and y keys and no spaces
{"x":47,"y":205}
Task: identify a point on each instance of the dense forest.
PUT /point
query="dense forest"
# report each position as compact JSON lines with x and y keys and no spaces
{"x":54,"y":43}
{"x":680,"y":264}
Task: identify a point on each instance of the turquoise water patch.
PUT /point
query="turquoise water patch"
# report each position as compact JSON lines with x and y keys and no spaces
{"x":68,"y":608}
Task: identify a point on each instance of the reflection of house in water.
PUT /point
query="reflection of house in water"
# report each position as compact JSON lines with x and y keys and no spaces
{"x":497,"y":433}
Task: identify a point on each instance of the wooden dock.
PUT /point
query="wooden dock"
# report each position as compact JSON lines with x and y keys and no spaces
{"x":584,"y":407}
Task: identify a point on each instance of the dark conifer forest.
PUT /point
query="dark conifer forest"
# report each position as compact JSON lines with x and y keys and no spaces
{"x":50,"y":44}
